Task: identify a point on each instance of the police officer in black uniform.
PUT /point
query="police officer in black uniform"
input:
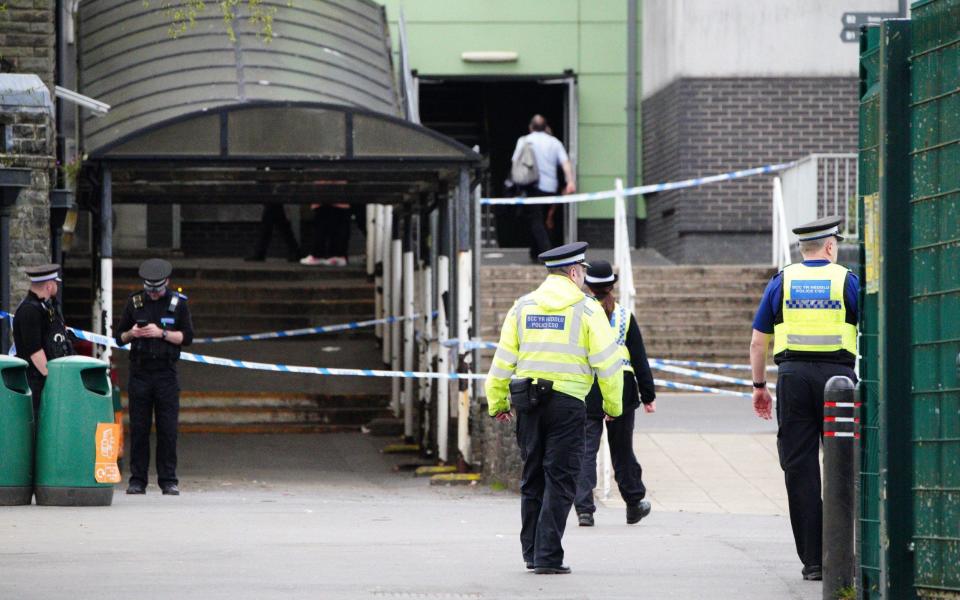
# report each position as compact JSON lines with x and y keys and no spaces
{"x":811,"y":309}
{"x":156,"y":322}
{"x":39,"y":332}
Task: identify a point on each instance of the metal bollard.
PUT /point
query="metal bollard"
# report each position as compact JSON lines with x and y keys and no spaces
{"x":841,"y":447}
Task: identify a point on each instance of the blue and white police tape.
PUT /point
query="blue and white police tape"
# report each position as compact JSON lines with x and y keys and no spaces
{"x":643,"y":189}
{"x":270,"y":335}
{"x":470,"y":344}
{"x":281,"y":368}
{"x":689,"y":387}
{"x":710,"y":365}
{"x":660,"y":366}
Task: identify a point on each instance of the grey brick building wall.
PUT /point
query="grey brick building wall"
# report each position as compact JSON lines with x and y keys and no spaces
{"x":702,"y":126}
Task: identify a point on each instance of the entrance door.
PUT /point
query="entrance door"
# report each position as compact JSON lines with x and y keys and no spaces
{"x":491,"y":113}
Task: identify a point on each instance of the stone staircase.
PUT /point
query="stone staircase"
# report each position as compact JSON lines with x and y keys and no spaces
{"x":229,"y":297}
{"x":685,"y":312}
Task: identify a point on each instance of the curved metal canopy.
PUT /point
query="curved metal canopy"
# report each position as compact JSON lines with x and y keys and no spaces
{"x":320,"y":98}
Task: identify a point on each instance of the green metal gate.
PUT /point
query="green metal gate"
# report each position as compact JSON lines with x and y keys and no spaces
{"x":909,"y":522}
{"x":868,"y":186}
{"x":935,"y":296}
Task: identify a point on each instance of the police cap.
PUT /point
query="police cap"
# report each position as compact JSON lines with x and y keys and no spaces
{"x":41,"y":273}
{"x":600,"y":274}
{"x":155,"y":271}
{"x":563,"y":256}
{"x":819,"y":229}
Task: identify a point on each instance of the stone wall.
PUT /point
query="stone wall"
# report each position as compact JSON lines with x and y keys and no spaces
{"x":30,"y":218}
{"x":27,"y":37}
{"x":695,"y":127}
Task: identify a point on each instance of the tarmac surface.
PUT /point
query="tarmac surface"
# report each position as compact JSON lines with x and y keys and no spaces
{"x":330,"y":516}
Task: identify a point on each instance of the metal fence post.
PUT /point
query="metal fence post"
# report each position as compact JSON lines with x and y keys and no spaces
{"x":841,"y":430}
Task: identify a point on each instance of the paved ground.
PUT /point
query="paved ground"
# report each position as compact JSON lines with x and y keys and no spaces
{"x":326,"y":516}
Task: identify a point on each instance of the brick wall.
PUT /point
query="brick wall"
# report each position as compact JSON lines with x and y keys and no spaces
{"x":27,"y":37}
{"x":696,"y":127}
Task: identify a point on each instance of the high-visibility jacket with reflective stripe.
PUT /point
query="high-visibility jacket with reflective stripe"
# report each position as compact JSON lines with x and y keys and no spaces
{"x":814,"y":312}
{"x":619,"y":321}
{"x":560,"y":334}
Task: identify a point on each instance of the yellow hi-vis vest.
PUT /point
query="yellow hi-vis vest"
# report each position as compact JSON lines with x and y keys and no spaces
{"x":560,"y":334}
{"x":620,"y":321}
{"x":814,"y":312}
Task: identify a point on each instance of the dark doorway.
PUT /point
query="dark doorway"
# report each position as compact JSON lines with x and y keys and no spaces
{"x":492,"y":114}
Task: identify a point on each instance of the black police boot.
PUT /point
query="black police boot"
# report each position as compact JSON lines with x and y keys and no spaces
{"x":812,"y":573}
{"x":171,"y":490}
{"x":637,"y":511}
{"x":529,"y":565}
{"x":585,"y":519}
{"x":136,"y":487}
{"x":561,"y":570}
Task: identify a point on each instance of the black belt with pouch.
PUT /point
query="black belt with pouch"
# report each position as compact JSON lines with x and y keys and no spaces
{"x":526,"y":395}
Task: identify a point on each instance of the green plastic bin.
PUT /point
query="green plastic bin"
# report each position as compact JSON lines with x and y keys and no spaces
{"x":16,"y":433}
{"x":76,"y":398}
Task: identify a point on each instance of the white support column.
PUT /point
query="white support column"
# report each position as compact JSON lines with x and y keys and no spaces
{"x":443,"y":360}
{"x":464,"y":320}
{"x":371,"y":211}
{"x":396,"y":308}
{"x":387,"y":245}
{"x":106,"y":304}
{"x":106,"y":261}
{"x":409,"y":279}
{"x":426,"y":335}
{"x":375,"y":253}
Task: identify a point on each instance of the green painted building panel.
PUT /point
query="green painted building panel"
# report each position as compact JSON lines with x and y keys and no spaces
{"x":485,"y":11}
{"x":603,"y":48}
{"x":603,"y":99}
{"x":604,"y":10}
{"x":603,"y":151}
{"x":436,"y":48}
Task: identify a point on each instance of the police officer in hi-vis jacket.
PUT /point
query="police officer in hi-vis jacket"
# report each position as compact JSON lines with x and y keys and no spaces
{"x":552,"y":342}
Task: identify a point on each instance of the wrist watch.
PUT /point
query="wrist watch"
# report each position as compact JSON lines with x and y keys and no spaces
{"x":164,"y":336}
{"x":757,"y":384}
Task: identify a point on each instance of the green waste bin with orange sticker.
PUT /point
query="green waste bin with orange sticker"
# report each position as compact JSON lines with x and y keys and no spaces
{"x":16,"y":433}
{"x":77,"y":438}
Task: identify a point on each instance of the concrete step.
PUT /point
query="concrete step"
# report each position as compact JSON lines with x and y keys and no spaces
{"x":228,"y":291}
{"x":222,"y":270}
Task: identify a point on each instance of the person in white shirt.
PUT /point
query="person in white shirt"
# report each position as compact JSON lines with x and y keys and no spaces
{"x":550,"y":154}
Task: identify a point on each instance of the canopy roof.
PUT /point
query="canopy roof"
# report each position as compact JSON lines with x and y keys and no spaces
{"x":314,"y":108}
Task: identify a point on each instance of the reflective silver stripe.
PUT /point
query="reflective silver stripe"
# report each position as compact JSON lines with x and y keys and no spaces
{"x":545,"y":366}
{"x":609,"y":371}
{"x":496,"y":371}
{"x":604,"y":354}
{"x":521,"y":303}
{"x":814,"y":340}
{"x":553,"y":347}
{"x":506,"y":356}
{"x":575,"y":322}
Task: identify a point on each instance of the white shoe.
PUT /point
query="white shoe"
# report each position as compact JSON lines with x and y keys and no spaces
{"x":337,"y":261}
{"x":310,"y":260}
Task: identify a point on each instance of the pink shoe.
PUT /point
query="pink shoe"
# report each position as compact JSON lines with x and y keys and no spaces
{"x":337,"y":261}
{"x":312,"y":261}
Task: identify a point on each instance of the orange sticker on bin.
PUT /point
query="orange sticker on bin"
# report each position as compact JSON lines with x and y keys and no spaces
{"x":108,"y":449}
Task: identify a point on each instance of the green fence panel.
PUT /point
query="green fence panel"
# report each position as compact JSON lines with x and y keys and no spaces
{"x":935,"y":296}
{"x":868,"y":527}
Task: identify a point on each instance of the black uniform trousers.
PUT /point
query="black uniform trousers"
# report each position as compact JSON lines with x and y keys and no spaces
{"x":551,"y":447}
{"x":273,"y":216}
{"x":536,"y":217}
{"x":800,"y":431}
{"x":626,"y":470}
{"x":36,"y":383}
{"x":154,"y":391}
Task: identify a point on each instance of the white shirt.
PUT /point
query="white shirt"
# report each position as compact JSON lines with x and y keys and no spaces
{"x":550,"y":154}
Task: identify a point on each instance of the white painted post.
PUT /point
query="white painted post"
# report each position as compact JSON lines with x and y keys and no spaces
{"x":409,"y":309}
{"x":375,"y":254}
{"x":396,"y":307}
{"x":426,"y":335}
{"x":443,"y":360}
{"x":464,"y":320}
{"x":387,"y":244}
{"x":106,"y":303}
